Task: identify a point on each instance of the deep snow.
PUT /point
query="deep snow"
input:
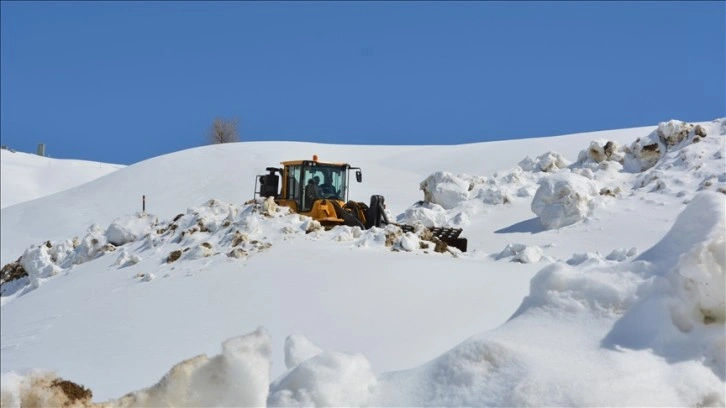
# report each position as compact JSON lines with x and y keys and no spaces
{"x":595,"y":276}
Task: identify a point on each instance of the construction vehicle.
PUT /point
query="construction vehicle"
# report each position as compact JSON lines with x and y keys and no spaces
{"x":320,"y":190}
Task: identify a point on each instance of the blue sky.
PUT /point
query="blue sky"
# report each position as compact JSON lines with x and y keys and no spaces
{"x":122,"y":82}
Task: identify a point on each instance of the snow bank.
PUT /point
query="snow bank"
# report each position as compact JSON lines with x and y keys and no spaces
{"x":50,"y":259}
{"x":688,"y":264}
{"x":645,"y":152}
{"x":328,"y":379}
{"x":215,"y":228}
{"x":476,"y":373}
{"x":563,"y":199}
{"x":239,"y":376}
{"x":681,"y":313}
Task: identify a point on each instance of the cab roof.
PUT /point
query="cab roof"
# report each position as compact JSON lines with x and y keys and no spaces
{"x":315,"y":160}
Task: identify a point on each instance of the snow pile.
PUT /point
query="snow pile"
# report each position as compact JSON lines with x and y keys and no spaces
{"x":647,"y":151}
{"x":674,"y":156}
{"x":594,"y":258}
{"x":564,"y":199}
{"x":327,"y":379}
{"x":689,"y":167}
{"x":549,"y":162}
{"x":445,"y":189}
{"x":201,"y":232}
{"x":129,"y":228}
{"x":127,"y":259}
{"x":215,"y":228}
{"x":681,"y":312}
{"x":42,"y":389}
{"x":49,"y":259}
{"x":239,"y":376}
{"x":39,"y":263}
{"x":521,"y":253}
{"x":601,"y":150}
{"x":451,"y":200}
{"x":426,"y":213}
{"x":689,"y":261}
{"x":476,"y":373}
{"x":451,"y":192}
{"x":298,"y":349}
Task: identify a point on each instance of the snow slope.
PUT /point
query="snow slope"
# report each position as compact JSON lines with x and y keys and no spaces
{"x":26,"y":176}
{"x":594,"y":276}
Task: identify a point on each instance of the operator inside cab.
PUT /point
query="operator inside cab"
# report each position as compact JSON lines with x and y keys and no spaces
{"x":311,"y":190}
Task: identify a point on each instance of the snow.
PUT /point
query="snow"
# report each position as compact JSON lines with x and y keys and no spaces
{"x":563,"y":199}
{"x":27,"y":176}
{"x":594,"y":276}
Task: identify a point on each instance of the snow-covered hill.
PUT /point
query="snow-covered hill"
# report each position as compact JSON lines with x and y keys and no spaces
{"x":594,"y":276}
{"x":26,"y":176}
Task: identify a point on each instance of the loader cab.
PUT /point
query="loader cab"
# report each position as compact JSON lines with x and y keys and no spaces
{"x":311,"y":180}
{"x":332,"y":182}
{"x":287,"y":185}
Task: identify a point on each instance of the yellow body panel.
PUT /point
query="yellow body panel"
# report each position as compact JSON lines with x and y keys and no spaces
{"x":322,"y":211}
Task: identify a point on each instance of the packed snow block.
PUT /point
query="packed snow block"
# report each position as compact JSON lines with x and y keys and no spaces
{"x":238,"y":377}
{"x":644,"y":153}
{"x":673,"y":132}
{"x":601,"y":150}
{"x":427,"y":213}
{"x":298,"y":349}
{"x":521,"y":253}
{"x":445,"y":189}
{"x":127,"y":259}
{"x":681,"y":315}
{"x":329,"y":379}
{"x":563,"y":199}
{"x":129,"y":228}
{"x":39,"y":264}
{"x":409,"y":242}
{"x":549,"y":162}
{"x":90,"y":246}
{"x":200,"y":251}
{"x":493,"y":196}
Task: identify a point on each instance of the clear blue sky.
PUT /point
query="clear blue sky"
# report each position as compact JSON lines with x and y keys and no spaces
{"x":125,"y":81}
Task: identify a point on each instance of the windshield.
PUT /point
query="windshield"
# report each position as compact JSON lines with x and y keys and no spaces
{"x":329,"y":181}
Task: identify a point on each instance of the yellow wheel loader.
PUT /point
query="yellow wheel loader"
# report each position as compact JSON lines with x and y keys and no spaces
{"x":320,"y":190}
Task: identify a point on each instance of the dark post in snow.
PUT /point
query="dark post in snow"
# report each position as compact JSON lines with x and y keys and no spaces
{"x":143,"y":204}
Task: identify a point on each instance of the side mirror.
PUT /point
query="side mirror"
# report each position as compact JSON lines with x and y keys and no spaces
{"x":358,"y":176}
